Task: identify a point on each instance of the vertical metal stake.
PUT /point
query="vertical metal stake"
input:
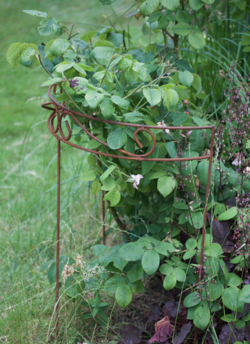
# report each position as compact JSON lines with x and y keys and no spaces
{"x":205,"y":215}
{"x":103,"y":218}
{"x":206,"y":203}
{"x":58,"y":234}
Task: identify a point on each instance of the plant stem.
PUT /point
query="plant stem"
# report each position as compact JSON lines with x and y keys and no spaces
{"x":120,"y":224}
{"x":106,"y":71}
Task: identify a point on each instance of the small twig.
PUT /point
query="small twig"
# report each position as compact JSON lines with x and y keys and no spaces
{"x":77,"y":33}
{"x":123,"y":39}
{"x":183,"y":230}
{"x":71,"y":30}
{"x":41,"y":62}
{"x":170,"y":35}
{"x":120,"y":224}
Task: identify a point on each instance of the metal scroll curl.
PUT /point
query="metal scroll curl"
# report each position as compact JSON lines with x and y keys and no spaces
{"x":60,"y":111}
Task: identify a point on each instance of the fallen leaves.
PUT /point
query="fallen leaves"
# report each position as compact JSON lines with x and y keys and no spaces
{"x":185,"y":329}
{"x":163,"y":330}
{"x":230,"y":334}
{"x":154,"y":313}
{"x":131,"y":334}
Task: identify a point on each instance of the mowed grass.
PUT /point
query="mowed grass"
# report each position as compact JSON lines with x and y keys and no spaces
{"x":28,"y":181}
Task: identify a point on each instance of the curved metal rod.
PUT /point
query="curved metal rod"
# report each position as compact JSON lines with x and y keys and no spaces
{"x":135,"y":158}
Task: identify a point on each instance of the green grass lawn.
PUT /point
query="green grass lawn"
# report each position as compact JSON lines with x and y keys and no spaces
{"x":28,"y":181}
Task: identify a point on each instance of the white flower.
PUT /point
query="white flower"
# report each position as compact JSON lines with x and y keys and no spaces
{"x":238,"y":160}
{"x":162,"y":124}
{"x":135,"y":179}
{"x":247,"y":170}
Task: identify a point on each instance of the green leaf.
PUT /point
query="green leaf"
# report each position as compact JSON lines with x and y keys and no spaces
{"x":74,"y":286}
{"x":229,"y":214}
{"x":136,"y":287}
{"x":135,"y":273}
{"x":51,"y":82}
{"x":79,"y":85}
{"x":163,"y":22}
{"x":164,"y":248}
{"x":150,"y":262}
{"x":47,"y":26}
{"x":35,"y":13}
{"x":123,"y":295}
{"x":179,"y":274}
{"x":103,"y":43}
{"x":192,"y":300}
{"x":109,"y":170}
{"x":78,"y":68}
{"x":214,"y":250}
{"x":167,"y":96}
{"x":119,"y":263}
{"x":169,"y":282}
{"x":182,"y":92}
{"x":175,"y":99}
{"x":52,"y":272}
{"x":113,"y":196}
{"x":230,"y":298}
{"x":196,"y":40}
{"x":189,"y":254}
{"x":166,"y":269}
{"x":108,"y":184}
{"x":65,"y":65}
{"x":171,"y":5}
{"x":96,"y":187}
{"x":131,"y":251}
{"x":107,"y":108}
{"x":133,"y":117}
{"x":181,"y":29}
{"x":154,"y":17}
{"x":186,"y":78}
{"x":113,"y":283}
{"x":179,"y":118}
{"x":59,"y":46}
{"x":88,"y":176}
{"x":191,"y":244}
{"x":13,"y":53}
{"x":147,"y":165}
{"x":26,"y":55}
{"x":215,"y":290}
{"x":123,"y":103}
{"x":196,"y":220}
{"x":197,"y":83}
{"x":195,"y":4}
{"x":228,"y":318}
{"x":245,"y":294}
{"x":201,"y":317}
{"x":153,"y":96}
{"x":208,"y":2}
{"x":170,"y":146}
{"x":99,"y":249}
{"x":148,"y":7}
{"x":166,"y":185}
{"x":117,"y":139}
{"x":45,"y":265}
{"x":103,"y":54}
{"x":202,"y":172}
{"x":183,"y":16}
{"x":233,"y":280}
{"x":94,"y":98}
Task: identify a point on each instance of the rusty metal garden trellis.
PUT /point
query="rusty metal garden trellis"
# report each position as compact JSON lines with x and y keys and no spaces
{"x":60,"y":111}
